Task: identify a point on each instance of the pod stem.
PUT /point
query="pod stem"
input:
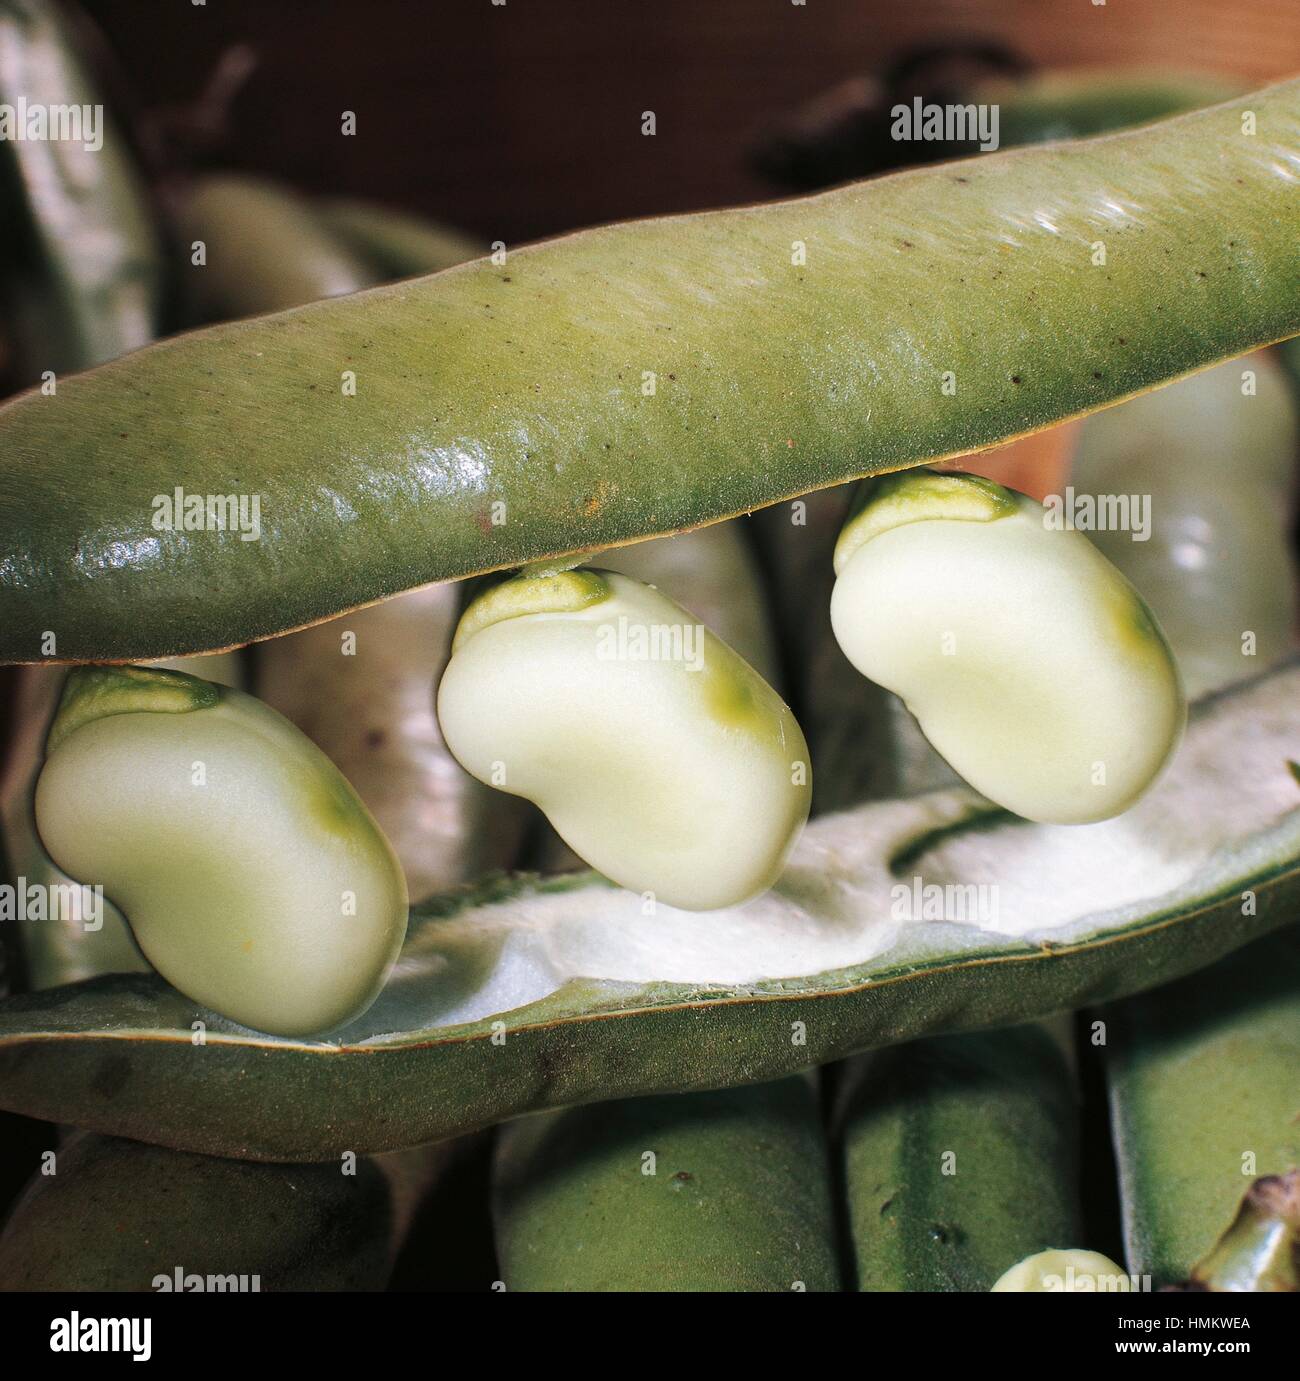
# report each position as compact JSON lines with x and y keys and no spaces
{"x":1260,"y":1251}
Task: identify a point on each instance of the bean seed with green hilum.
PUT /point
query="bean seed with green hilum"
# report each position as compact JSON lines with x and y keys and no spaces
{"x":658,"y":754}
{"x":1032,"y":666}
{"x":993,"y":261}
{"x":261,"y":886}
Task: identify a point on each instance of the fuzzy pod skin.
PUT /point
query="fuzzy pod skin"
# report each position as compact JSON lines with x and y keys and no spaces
{"x":65,"y":950}
{"x":485,"y":382}
{"x":1033,"y":667}
{"x":670,"y":767}
{"x":960,"y":1158}
{"x":122,"y":1216}
{"x":1071,"y":1272}
{"x":1205,"y":1096}
{"x":84,"y":273}
{"x":265,"y":250}
{"x":726,"y":1191}
{"x":260,"y":887}
{"x":397,"y":244}
{"x":1215,"y":458}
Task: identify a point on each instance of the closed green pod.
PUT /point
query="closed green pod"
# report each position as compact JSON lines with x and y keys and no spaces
{"x":1205,"y":1097}
{"x":960,"y":1158}
{"x":725,"y":1191}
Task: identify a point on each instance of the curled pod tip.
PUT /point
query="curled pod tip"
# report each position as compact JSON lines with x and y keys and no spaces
{"x":254,"y":879}
{"x":1033,"y":667}
{"x":659,"y":755}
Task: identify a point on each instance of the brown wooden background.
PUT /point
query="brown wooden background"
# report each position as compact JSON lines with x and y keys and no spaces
{"x":523,"y":119}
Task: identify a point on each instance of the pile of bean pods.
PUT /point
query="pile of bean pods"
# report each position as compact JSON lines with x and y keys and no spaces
{"x":873,"y":834}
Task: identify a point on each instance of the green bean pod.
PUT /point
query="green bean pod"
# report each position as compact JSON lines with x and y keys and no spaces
{"x":1214,"y":457}
{"x":264,"y":249}
{"x":118,"y":1215}
{"x":85,"y":281}
{"x":397,"y":244}
{"x":960,"y":1158}
{"x":723,"y":1191}
{"x":1205,"y":1096}
{"x":922,"y":315}
{"x":568,"y":975}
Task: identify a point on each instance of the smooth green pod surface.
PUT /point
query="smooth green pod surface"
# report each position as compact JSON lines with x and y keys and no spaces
{"x":1205,"y":1096}
{"x":251,"y":874}
{"x":1033,"y":667}
{"x":600,"y":1002}
{"x":960,"y":1158}
{"x":698,"y":1193}
{"x":384,"y":426}
{"x":658,"y":754}
{"x":117,"y":1215}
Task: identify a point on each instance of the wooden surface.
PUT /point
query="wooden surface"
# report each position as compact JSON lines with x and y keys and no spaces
{"x":524,"y":119}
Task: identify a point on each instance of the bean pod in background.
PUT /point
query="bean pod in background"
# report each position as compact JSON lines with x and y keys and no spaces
{"x":961,"y":1157}
{"x":1205,"y":1096}
{"x":84,"y":275}
{"x":700,"y":1192}
{"x":118,"y":1215}
{"x":396,"y":245}
{"x":1206,"y":472}
{"x":264,"y":249}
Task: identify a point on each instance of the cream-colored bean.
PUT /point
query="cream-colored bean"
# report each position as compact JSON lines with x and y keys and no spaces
{"x":1070,"y":1272}
{"x":1032,"y":666}
{"x":254,"y":879}
{"x":659,"y":755}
